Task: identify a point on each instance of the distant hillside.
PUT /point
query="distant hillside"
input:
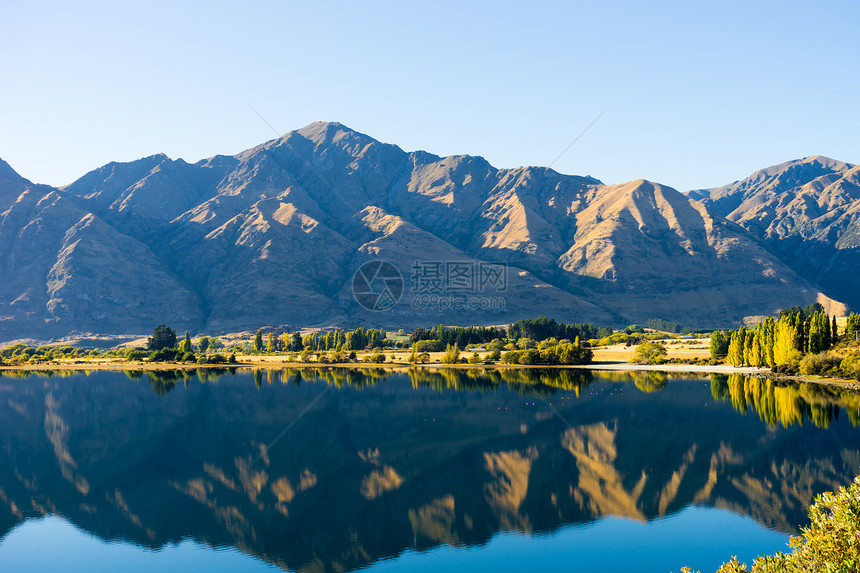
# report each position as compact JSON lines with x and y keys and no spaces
{"x":274,"y":235}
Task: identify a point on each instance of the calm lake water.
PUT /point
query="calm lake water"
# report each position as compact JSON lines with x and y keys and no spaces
{"x":343,"y":470}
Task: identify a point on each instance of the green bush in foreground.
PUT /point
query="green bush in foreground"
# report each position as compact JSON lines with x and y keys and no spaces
{"x":831,"y":543}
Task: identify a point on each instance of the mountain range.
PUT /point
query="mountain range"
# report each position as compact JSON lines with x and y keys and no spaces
{"x":274,"y":237}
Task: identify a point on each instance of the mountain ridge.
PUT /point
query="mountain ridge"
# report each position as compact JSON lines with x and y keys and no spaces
{"x":272,"y":236}
{"x":808,"y":212}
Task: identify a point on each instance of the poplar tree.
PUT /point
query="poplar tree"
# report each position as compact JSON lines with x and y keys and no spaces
{"x":258,"y":341}
{"x":785,"y":341}
{"x":748,"y":348}
{"x":757,"y":358}
{"x":852,"y":325}
{"x":815,"y":337}
{"x":735,"y":355}
{"x":769,"y":339}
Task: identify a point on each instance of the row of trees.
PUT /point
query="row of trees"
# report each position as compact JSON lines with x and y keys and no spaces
{"x":25,"y":354}
{"x":462,"y":336}
{"x":776,"y":343}
{"x":562,"y":353}
{"x":337,"y":340}
{"x":852,"y":326}
{"x":541,"y":328}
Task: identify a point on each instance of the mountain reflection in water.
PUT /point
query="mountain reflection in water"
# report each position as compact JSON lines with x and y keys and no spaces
{"x":332,"y":469}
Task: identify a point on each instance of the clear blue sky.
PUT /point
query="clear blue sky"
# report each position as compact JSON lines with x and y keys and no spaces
{"x":697,"y":95}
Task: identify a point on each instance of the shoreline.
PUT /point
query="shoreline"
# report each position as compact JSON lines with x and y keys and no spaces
{"x":605,"y":366}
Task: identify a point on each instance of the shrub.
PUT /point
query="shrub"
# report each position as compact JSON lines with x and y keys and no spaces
{"x":829,"y":543}
{"x":163,"y":355}
{"x":135,"y":354}
{"x":214,"y":359}
{"x":820,"y":364}
{"x":529,"y":357}
{"x":789,"y":369}
{"x":850,"y":367}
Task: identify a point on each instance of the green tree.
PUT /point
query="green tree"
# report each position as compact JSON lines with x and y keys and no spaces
{"x":452,"y":354}
{"x":719,"y":344}
{"x":852,"y":326}
{"x":271,"y":343}
{"x":203,"y":344}
{"x":529,"y":357}
{"x":258,"y":341}
{"x":816,"y":335}
{"x":296,"y":343}
{"x":525,"y":343}
{"x":162,"y":337}
{"x":649,"y":353}
{"x":185,"y":346}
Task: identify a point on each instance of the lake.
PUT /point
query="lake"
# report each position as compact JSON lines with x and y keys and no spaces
{"x":324,"y":470}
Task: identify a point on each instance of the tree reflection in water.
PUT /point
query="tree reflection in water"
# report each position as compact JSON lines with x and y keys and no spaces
{"x":372,"y":462}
